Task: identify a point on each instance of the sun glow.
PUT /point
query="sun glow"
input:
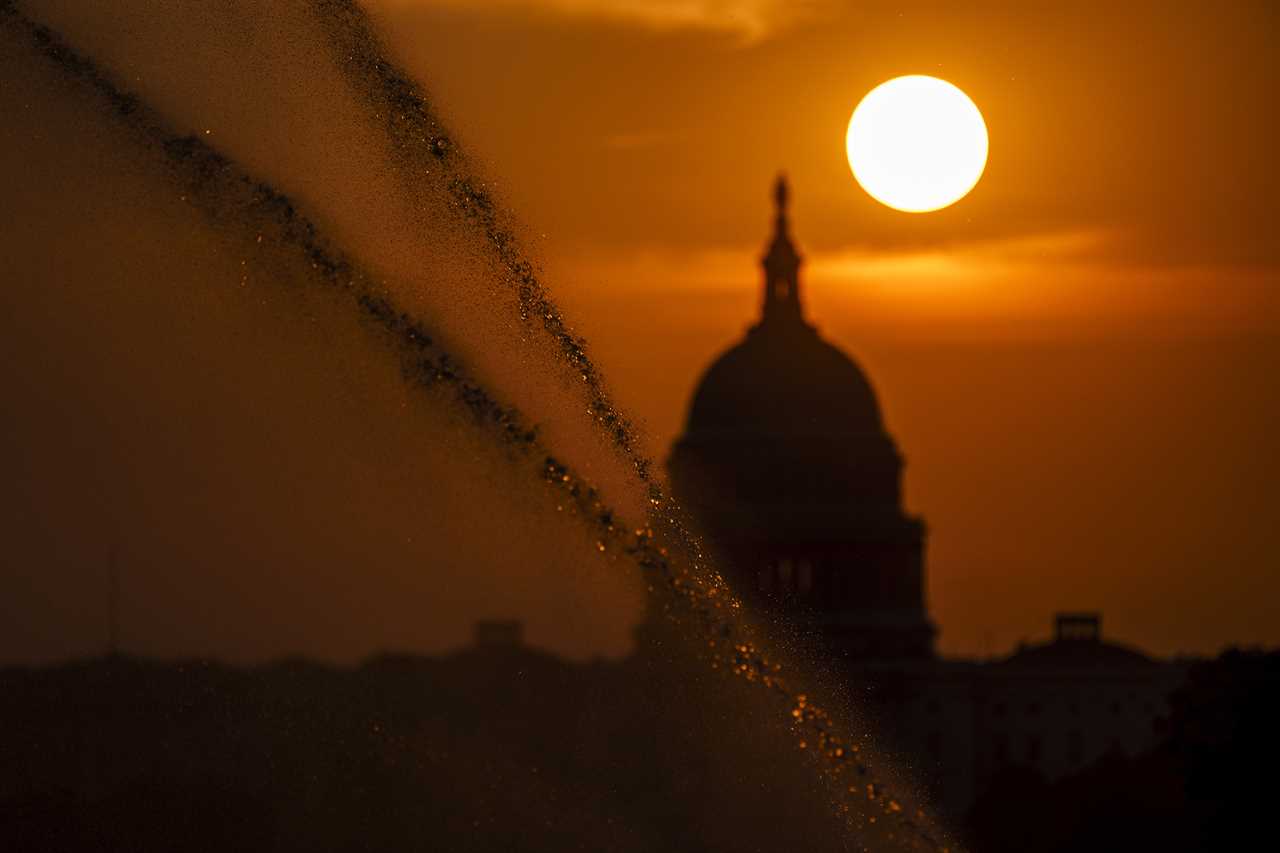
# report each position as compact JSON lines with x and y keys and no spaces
{"x":917,"y":143}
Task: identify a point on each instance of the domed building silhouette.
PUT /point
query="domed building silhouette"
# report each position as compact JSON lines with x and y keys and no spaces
{"x":787,"y":466}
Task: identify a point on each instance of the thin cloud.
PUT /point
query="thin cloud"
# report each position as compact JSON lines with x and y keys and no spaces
{"x":749,"y":20}
{"x":734,"y":267}
{"x":1003,"y":256}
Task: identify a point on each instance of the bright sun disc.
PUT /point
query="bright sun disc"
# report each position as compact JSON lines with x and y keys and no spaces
{"x":917,"y":143}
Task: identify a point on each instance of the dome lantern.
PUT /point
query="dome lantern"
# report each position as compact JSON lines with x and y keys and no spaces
{"x":781,"y":265}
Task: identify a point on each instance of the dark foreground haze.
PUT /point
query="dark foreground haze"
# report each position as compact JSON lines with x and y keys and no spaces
{"x":509,"y":749}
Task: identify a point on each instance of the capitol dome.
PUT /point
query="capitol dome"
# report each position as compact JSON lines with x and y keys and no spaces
{"x":784,"y":380}
{"x":787,"y":467}
{"x":783,"y":417}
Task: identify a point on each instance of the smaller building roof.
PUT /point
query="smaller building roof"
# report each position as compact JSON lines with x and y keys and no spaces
{"x":1077,"y":644}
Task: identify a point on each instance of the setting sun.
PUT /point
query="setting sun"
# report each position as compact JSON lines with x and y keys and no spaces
{"x":917,"y":143}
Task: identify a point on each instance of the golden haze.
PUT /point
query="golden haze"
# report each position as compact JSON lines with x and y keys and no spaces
{"x":1078,"y":358}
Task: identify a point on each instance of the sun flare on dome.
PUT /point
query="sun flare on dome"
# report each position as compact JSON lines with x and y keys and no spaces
{"x":917,"y":143}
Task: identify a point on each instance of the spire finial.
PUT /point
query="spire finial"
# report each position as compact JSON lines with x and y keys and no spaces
{"x":780,"y":193}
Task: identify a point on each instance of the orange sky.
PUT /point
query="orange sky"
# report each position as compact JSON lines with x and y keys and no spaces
{"x":1077,"y":360}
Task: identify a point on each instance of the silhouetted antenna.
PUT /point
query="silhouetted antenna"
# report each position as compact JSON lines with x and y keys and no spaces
{"x":113,"y":604}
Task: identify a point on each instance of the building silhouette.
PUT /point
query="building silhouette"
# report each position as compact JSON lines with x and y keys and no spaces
{"x":787,"y":467}
{"x":786,"y":463}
